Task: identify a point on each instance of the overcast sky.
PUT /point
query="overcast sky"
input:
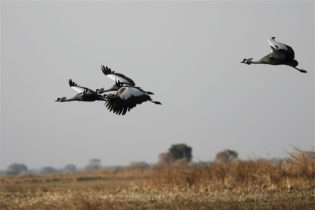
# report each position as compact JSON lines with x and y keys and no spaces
{"x":187,"y":53}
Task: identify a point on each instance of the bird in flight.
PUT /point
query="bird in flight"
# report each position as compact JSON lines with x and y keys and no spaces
{"x":281,"y":54}
{"x":126,"y":98}
{"x":123,"y":95}
{"x":120,"y":98}
{"x":84,"y":94}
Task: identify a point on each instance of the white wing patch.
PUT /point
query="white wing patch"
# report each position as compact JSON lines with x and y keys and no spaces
{"x":131,"y":91}
{"x":276,"y":45}
{"x":117,"y":78}
{"x":78,"y":89}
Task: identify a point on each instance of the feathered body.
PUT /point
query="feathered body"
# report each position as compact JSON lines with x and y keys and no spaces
{"x":84,"y":94}
{"x":281,"y":54}
{"x":126,"y":98}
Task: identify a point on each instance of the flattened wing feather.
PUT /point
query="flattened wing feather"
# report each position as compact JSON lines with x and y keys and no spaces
{"x":280,"y":50}
{"x":106,"y":70}
{"x":80,"y":89}
{"x":129,"y":81}
{"x":121,"y":106}
{"x":75,"y":87}
{"x":290,"y":53}
{"x":117,"y":76}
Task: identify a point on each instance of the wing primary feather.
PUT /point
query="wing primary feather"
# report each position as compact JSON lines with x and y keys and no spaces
{"x":106,"y":70}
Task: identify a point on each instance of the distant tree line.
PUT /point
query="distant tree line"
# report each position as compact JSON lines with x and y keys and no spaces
{"x":182,"y":154}
{"x":177,"y":154}
{"x":20,"y":169}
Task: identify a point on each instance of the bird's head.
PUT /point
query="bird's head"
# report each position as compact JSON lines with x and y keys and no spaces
{"x":247,"y":61}
{"x":62,"y":99}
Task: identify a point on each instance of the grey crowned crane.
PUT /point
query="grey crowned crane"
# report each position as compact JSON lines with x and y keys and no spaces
{"x":281,"y":54}
{"x":84,"y":94}
{"x":126,"y":98}
{"x":117,"y":77}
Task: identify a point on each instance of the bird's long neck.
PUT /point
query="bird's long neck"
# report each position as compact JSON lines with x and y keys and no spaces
{"x":69,"y":99}
{"x":257,"y":62}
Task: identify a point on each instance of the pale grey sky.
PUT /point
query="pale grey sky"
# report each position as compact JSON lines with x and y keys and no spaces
{"x":187,"y":53}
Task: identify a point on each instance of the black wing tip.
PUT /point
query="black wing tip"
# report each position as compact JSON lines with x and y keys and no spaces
{"x":106,"y":70}
{"x":71,"y":83}
{"x":116,"y":106}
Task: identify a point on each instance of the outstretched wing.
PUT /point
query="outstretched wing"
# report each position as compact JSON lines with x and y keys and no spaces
{"x":280,"y":51}
{"x":117,"y":76}
{"x":276,"y":45}
{"x":80,"y":89}
{"x":290,"y":53}
{"x":126,"y":99}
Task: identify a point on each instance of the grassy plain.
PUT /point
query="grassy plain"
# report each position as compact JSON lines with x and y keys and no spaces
{"x":248,"y":184}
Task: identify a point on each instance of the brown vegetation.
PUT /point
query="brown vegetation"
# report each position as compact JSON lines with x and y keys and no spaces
{"x":249,"y":184}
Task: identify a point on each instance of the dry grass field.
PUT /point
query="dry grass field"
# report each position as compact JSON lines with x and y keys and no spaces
{"x":248,"y":184}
